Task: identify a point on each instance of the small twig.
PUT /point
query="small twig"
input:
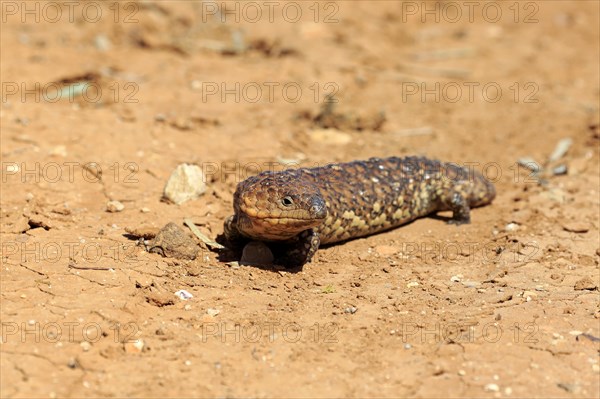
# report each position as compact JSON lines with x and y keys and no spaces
{"x":560,"y":150}
{"x":531,"y":164}
{"x":441,"y":54}
{"x":202,"y":237}
{"x":588,"y":336}
{"x":445,"y":72}
{"x":74,"y":266}
{"x":94,"y":169}
{"x":419,"y":131}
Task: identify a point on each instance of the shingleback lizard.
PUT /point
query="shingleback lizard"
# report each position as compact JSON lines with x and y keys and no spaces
{"x":301,"y":209}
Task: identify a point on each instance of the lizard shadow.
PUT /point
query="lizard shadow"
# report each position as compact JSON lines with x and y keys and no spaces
{"x":231,"y":254}
{"x":435,"y":216}
{"x":228,"y":254}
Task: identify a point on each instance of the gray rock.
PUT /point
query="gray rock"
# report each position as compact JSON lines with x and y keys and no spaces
{"x":172,"y":242}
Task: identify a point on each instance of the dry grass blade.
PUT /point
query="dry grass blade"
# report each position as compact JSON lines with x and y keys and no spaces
{"x":212,"y":244}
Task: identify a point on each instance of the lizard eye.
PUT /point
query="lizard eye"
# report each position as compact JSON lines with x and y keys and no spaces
{"x":287,"y":201}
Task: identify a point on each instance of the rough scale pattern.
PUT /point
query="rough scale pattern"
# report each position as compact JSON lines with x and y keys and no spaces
{"x":303,"y":208}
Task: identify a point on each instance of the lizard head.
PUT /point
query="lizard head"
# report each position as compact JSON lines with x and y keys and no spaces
{"x":278,"y":206}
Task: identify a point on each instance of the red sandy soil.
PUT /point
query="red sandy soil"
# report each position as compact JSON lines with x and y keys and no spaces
{"x":507,"y":306}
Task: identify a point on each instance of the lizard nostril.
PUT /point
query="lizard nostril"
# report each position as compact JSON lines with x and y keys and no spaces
{"x":318,"y":208}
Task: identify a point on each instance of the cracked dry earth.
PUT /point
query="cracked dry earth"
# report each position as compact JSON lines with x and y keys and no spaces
{"x":507,"y":306}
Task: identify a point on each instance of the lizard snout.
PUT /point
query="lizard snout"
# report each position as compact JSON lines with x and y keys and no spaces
{"x":318,"y":208}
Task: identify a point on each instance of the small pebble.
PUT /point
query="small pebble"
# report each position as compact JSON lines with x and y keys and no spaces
{"x":559,"y":170}
{"x":456,"y":278}
{"x":364,"y":256}
{"x":412,"y":284}
{"x":102,"y":43}
{"x":114,"y":206}
{"x":181,"y":123}
{"x":138,"y":344}
{"x":576,"y":227}
{"x":350,"y":310}
{"x":85,"y":345}
{"x":59,"y":150}
{"x":212,"y":312}
{"x":72,"y":363}
{"x":233,"y":265}
{"x":491,"y":388}
{"x":571,"y":388}
{"x":585,"y":283}
{"x":183,"y":295}
{"x":145,"y":210}
{"x":407,"y":346}
{"x":511,"y":227}
{"x":134,"y":346}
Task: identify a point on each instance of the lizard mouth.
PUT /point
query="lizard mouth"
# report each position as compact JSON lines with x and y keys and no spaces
{"x":297,"y":216}
{"x":291,"y":220}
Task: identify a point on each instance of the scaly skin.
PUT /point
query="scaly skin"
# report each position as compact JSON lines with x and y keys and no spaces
{"x":303,"y":208}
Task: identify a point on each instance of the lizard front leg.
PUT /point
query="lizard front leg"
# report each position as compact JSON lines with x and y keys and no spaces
{"x":232,"y":233}
{"x":458,"y":203}
{"x":300,"y":249}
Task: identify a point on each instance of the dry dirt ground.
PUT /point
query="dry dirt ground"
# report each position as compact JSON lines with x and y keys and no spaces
{"x":102,"y":100}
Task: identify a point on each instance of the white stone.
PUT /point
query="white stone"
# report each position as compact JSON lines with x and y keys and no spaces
{"x":185,"y":183}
